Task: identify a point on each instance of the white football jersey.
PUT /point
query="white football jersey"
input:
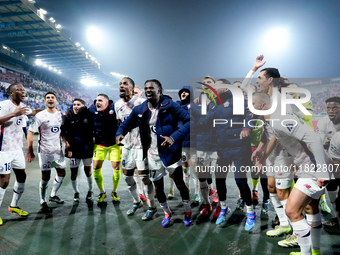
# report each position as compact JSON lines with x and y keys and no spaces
{"x":334,"y":147}
{"x":123,"y":110}
{"x":291,"y":131}
{"x":153,"y":150}
{"x":48,"y":125}
{"x":326,"y":128}
{"x":11,"y":131}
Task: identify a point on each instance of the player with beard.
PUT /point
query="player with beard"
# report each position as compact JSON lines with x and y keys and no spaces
{"x":157,"y":119}
{"x":78,"y":133}
{"x":270,"y":81}
{"x":132,"y":152}
{"x":50,"y":154}
{"x":326,"y":128}
{"x":12,"y":120}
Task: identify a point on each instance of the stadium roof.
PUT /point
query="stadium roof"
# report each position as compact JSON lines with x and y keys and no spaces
{"x":28,"y":35}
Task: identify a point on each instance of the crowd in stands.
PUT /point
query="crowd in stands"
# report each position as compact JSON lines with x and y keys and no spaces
{"x":319,"y":97}
{"x":36,"y":90}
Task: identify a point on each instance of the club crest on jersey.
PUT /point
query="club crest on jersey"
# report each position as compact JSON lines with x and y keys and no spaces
{"x":19,"y":121}
{"x":55,"y":129}
{"x":153,"y":129}
{"x":111,"y":112}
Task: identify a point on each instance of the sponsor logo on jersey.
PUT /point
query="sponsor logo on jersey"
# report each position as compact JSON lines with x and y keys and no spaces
{"x":153,"y":129}
{"x":334,"y":149}
{"x":55,"y":129}
{"x":290,"y":127}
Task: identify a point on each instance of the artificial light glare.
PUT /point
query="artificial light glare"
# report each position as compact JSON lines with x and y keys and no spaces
{"x":118,"y":75}
{"x":38,"y":62}
{"x":276,"y":39}
{"x":94,"y":36}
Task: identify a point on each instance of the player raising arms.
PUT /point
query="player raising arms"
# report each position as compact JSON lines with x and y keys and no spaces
{"x":299,"y":139}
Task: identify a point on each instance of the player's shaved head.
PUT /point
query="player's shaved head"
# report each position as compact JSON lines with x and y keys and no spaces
{"x":262,"y":97}
{"x":104,"y":95}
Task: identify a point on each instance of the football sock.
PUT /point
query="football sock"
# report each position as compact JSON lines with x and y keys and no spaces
{"x":18,"y":189}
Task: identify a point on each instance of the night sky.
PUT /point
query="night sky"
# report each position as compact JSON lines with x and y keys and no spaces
{"x":175,"y":41}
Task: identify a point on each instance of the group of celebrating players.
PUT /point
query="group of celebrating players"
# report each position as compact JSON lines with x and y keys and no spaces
{"x":144,"y":139}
